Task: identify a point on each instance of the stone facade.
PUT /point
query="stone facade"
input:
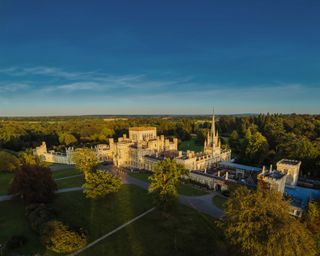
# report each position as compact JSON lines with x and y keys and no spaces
{"x":52,"y":156}
{"x":273,"y":180}
{"x":212,"y":154}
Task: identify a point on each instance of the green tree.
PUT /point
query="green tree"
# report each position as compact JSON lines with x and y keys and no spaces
{"x":86,"y":160}
{"x":234,"y":141}
{"x":259,"y":223}
{"x":28,"y":158}
{"x":67,"y":139}
{"x":105,"y":133}
{"x":8,"y":162}
{"x":256,"y":147}
{"x":313,"y":222}
{"x":101,"y":183}
{"x":164,"y":181}
{"x":62,"y":239}
{"x":34,"y":184}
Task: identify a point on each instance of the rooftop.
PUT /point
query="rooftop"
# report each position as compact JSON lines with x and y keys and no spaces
{"x":142,"y":128}
{"x":289,"y":162}
{"x":239,"y":166}
{"x":274,"y":175}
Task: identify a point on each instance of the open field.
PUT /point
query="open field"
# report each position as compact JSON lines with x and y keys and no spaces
{"x":183,"y":189}
{"x":184,"y":232}
{"x":190,"y":145}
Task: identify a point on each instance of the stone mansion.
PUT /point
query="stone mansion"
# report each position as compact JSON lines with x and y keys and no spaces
{"x":143,"y":149}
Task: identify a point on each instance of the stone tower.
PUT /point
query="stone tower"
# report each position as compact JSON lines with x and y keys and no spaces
{"x":291,"y":168}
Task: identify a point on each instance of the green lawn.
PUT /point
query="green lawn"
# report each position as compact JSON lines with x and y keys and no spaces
{"x":219,"y":201}
{"x":65,"y":173}
{"x":140,"y":175}
{"x":190,"y":145}
{"x":70,"y":183}
{"x":5,"y":179}
{"x":185,"y":232}
{"x":183,"y":189}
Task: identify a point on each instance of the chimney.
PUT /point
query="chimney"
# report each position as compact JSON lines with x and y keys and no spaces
{"x":227,"y":175}
{"x":270,"y":167}
{"x":218,"y":173}
{"x":263,"y":169}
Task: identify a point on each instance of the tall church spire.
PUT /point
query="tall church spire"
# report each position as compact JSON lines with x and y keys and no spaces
{"x":213,"y":131}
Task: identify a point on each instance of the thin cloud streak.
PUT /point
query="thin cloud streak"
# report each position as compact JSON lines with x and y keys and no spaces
{"x":89,"y":81}
{"x":99,"y":89}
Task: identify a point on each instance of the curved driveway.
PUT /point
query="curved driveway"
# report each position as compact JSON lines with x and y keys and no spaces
{"x":201,"y":203}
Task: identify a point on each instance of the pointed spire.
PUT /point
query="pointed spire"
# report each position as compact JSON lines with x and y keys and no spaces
{"x":213,"y":131}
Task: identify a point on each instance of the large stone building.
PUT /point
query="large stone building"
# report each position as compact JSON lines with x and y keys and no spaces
{"x":143,"y":149}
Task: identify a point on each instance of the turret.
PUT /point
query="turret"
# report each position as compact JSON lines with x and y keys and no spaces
{"x":213,"y":131}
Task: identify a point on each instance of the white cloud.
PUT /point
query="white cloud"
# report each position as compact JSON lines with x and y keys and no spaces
{"x":11,"y":87}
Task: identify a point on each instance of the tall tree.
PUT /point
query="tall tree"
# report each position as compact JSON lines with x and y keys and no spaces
{"x":85,"y":160}
{"x":256,"y":147}
{"x":259,"y":223}
{"x":164,"y":181}
{"x":101,"y":183}
{"x":34,"y":184}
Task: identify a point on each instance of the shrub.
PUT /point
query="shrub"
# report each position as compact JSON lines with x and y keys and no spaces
{"x":62,"y":239}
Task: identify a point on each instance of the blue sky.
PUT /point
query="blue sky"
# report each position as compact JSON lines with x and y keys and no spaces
{"x":159,"y":57}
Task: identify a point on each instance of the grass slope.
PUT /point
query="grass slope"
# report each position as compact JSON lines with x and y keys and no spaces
{"x":185,"y":232}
